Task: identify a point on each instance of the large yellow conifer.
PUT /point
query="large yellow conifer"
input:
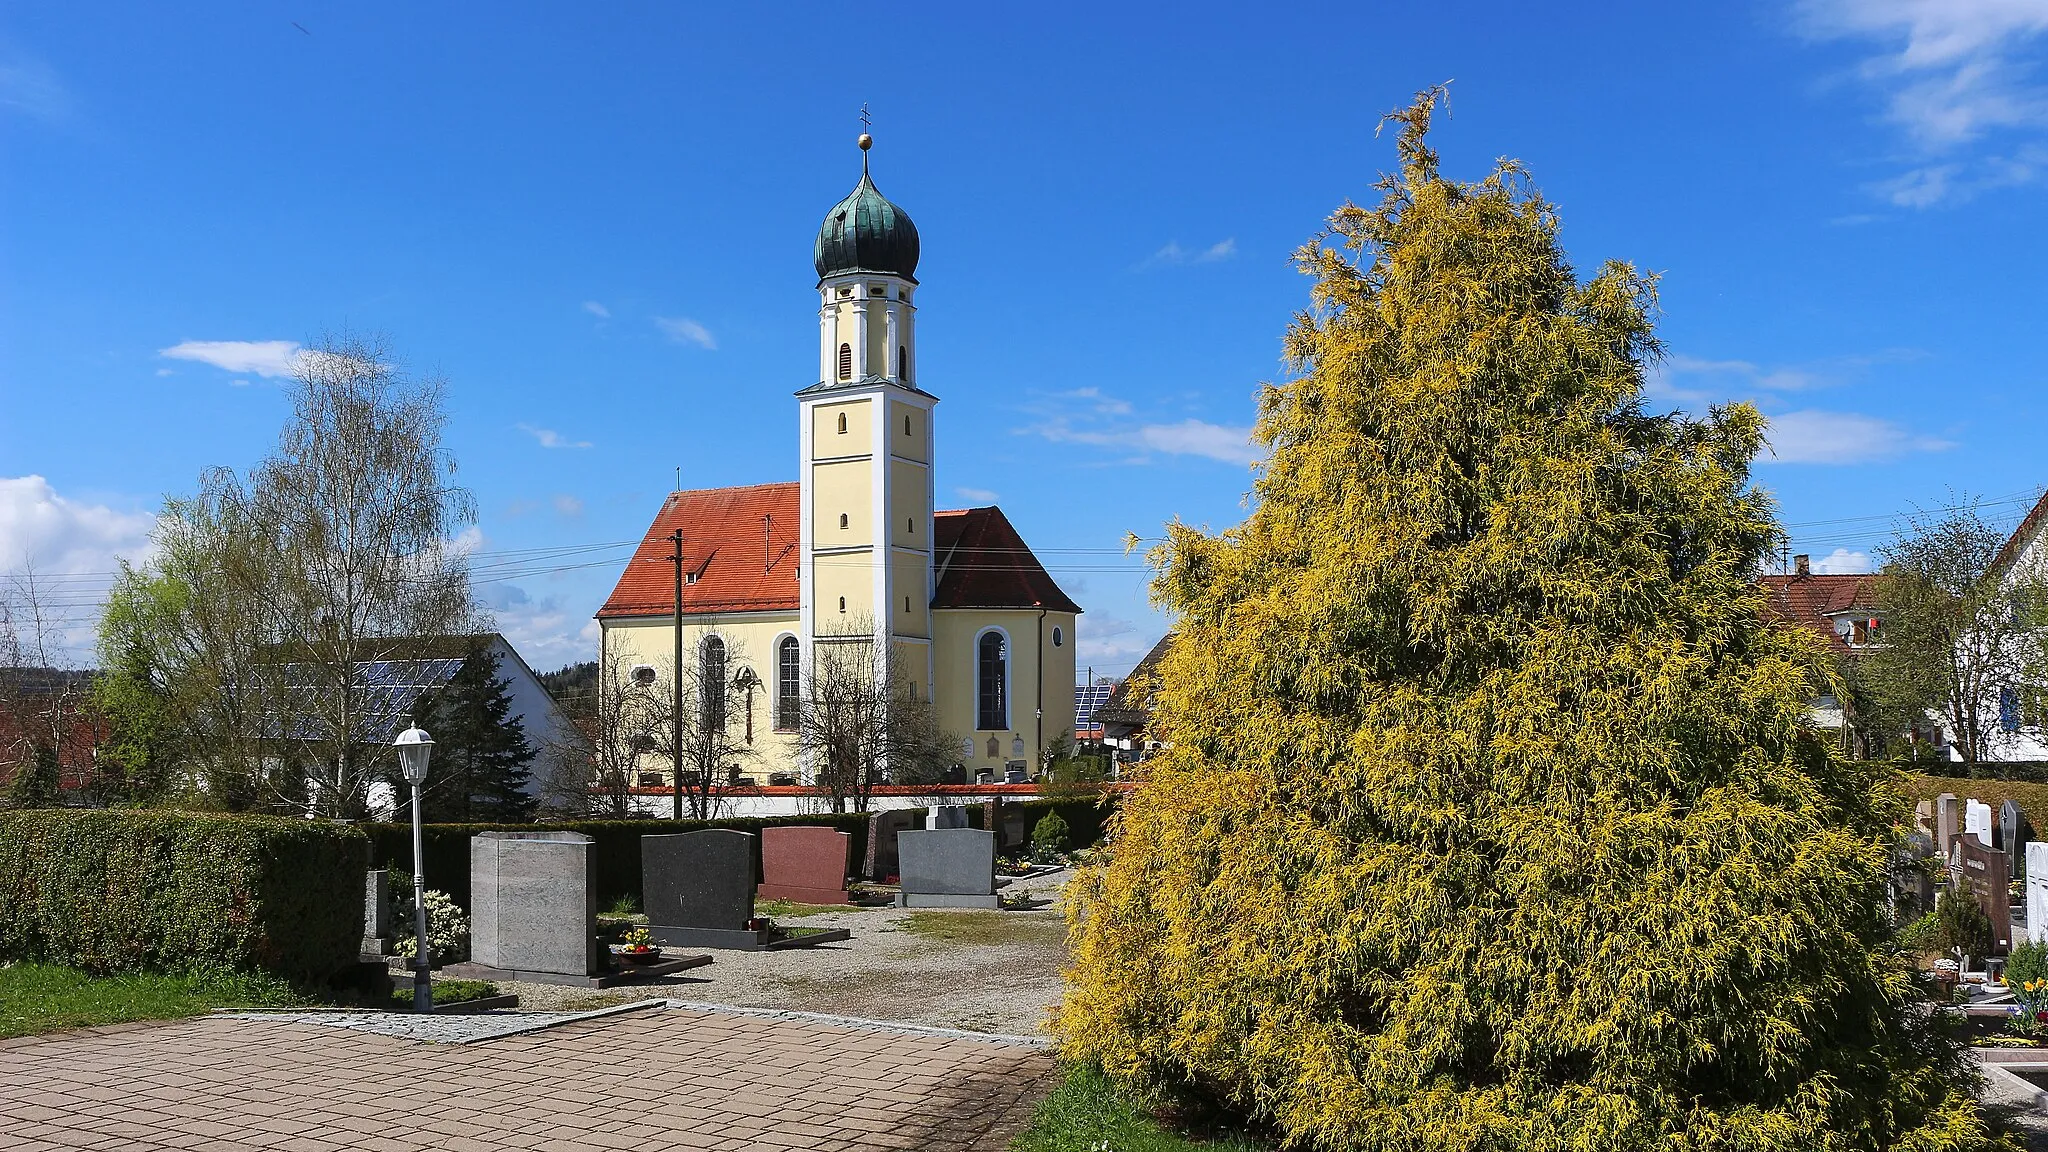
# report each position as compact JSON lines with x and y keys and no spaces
{"x":1489,"y":821}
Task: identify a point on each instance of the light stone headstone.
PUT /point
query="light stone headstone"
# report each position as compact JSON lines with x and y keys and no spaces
{"x":532,"y":904}
{"x":1923,"y":816}
{"x":946,"y":816}
{"x":1977,"y":821}
{"x":2037,"y":891}
{"x":1946,"y":818}
{"x":947,"y":868}
{"x":377,"y":933}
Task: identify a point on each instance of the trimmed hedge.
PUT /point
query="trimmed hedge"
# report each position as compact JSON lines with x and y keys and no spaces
{"x":615,"y":848}
{"x":110,"y":891}
{"x":2032,"y":798}
{"x":1085,"y":819}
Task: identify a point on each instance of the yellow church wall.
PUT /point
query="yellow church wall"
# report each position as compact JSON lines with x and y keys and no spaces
{"x":909,"y":519}
{"x":955,"y":634}
{"x":914,"y":444}
{"x":842,"y":488}
{"x":910,"y":610}
{"x":750,"y":639}
{"x":828,"y":441}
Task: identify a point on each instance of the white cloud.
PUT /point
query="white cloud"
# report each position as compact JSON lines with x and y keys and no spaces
{"x":270,"y":359}
{"x":976,"y":496}
{"x":597,"y":310}
{"x":32,"y":87}
{"x":549,"y":438}
{"x":546,"y":633}
{"x":1190,"y":437}
{"x":1173,"y":253}
{"x":1102,"y":405}
{"x":74,"y":549}
{"x":1843,"y":562}
{"x":1113,"y":645}
{"x":1952,"y":74}
{"x":1814,"y":437}
{"x":567,"y":506}
{"x":167,"y":371}
{"x":684,"y":330}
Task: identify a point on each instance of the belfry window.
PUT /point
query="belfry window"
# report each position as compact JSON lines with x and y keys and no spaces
{"x":992,"y":695}
{"x":842,"y":423}
{"x":906,"y":424}
{"x":845,"y":363}
{"x":842,"y":603}
{"x":842,"y":519}
{"x":902,"y":365}
{"x":788,"y":684}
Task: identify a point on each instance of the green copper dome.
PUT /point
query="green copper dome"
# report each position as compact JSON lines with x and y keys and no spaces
{"x":866,"y":233}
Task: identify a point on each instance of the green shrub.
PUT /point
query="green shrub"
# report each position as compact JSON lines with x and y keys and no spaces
{"x":1049,"y":837}
{"x":112,"y":891}
{"x":1921,"y":935}
{"x":2028,"y":961}
{"x":1960,"y":924}
{"x":447,"y":925}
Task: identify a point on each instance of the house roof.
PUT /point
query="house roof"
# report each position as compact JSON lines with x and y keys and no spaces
{"x":1130,"y":704}
{"x":2035,"y":520}
{"x":1814,"y":600}
{"x":742,"y":546}
{"x":739,"y":543}
{"x":982,"y":562}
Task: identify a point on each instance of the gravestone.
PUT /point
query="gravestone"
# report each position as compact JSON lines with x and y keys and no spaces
{"x":698,"y":888}
{"x":1977,"y":821}
{"x":1946,"y":818}
{"x":1923,"y":817}
{"x":2013,"y":834}
{"x":805,"y":863}
{"x":1984,"y":878}
{"x":532,"y":904}
{"x":2037,"y":892}
{"x":946,"y":816}
{"x":377,"y":931}
{"x":947,"y":868}
{"x":882,"y":830}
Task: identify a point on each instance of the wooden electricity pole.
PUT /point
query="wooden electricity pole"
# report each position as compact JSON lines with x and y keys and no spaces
{"x":676,"y":688}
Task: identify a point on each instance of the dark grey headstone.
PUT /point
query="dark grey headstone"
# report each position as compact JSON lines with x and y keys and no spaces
{"x":883,"y":828}
{"x":532,"y":904}
{"x":947,"y":862}
{"x":698,"y":879}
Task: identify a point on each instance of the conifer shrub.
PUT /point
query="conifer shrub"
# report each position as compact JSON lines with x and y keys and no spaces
{"x":1489,"y":818}
{"x":1049,"y":837}
{"x":109,"y":891}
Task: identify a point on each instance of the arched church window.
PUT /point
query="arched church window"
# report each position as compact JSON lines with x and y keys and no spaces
{"x":788,"y":684}
{"x":845,"y":363}
{"x":906,"y":424}
{"x":842,"y":603}
{"x":842,"y":519}
{"x":711,"y":684}
{"x":842,"y":423}
{"x":902,"y":365}
{"x":992,"y":695}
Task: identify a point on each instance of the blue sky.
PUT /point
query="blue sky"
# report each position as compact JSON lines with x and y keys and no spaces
{"x":596,"y":222}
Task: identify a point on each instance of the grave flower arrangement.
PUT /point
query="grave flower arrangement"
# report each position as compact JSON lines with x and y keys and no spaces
{"x":638,"y":944}
{"x":2030,"y":1018}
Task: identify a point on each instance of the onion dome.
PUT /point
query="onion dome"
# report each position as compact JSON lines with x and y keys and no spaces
{"x":866,"y":233}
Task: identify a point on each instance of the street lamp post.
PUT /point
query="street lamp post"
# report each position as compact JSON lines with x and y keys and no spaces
{"x":414,"y":746}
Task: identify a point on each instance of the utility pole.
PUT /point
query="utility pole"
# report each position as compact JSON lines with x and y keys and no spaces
{"x":676,"y":688}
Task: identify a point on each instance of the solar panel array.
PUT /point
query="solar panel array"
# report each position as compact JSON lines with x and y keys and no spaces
{"x":1087,"y":698}
{"x":386,"y":693}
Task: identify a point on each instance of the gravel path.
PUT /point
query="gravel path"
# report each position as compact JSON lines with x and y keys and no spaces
{"x":975,"y":970}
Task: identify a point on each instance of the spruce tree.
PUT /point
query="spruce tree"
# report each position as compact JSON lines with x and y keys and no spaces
{"x":478,"y":771}
{"x":1490,"y":819}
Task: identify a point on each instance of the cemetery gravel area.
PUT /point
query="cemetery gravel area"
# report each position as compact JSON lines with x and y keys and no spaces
{"x":973,"y":969}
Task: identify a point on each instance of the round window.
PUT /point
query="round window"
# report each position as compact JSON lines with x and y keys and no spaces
{"x":1058,"y":637}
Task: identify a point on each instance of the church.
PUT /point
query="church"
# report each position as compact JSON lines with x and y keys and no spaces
{"x":854,"y":551}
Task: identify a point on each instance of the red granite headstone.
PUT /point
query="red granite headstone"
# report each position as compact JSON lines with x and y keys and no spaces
{"x":1984,"y":877}
{"x":804,"y":863}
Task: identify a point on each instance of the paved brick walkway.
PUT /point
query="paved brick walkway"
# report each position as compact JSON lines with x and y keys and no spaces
{"x":656,"y":1079}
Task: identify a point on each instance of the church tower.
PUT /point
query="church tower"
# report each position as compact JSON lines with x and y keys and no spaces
{"x":866,"y":440}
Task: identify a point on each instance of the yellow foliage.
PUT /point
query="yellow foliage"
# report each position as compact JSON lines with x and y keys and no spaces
{"x":1489,"y":820}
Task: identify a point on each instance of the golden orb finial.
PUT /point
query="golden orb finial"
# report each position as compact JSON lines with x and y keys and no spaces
{"x":866,"y":141}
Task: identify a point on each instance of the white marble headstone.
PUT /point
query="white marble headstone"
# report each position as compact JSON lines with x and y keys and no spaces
{"x":1977,"y":821}
{"x":2037,"y":891}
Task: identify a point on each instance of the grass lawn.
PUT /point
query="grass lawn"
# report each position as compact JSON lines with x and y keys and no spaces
{"x":45,"y":997}
{"x":1085,"y":1114}
{"x":985,"y":926}
{"x":786,"y":909}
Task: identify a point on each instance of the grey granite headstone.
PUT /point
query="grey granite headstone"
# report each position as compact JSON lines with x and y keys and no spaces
{"x":698,"y":879}
{"x":2013,"y":834}
{"x":946,"y":816}
{"x":377,"y":933}
{"x":947,"y":868}
{"x":532,"y":904}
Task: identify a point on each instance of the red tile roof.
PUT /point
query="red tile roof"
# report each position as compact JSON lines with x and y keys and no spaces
{"x":2035,"y":519}
{"x":983,"y":563}
{"x":1809,"y":600}
{"x":742,"y":567}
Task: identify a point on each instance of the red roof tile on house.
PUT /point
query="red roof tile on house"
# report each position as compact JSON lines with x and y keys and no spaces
{"x":742,"y":544}
{"x":743,"y":566}
{"x":982,"y":562}
{"x":2034,"y":521}
{"x":1813,"y":600}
